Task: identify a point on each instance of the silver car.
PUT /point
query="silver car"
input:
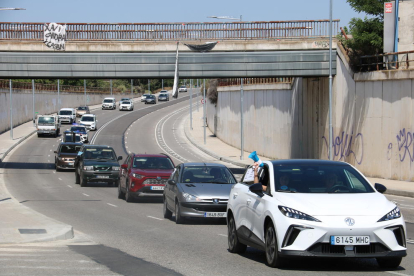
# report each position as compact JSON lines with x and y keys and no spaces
{"x":197,"y":190}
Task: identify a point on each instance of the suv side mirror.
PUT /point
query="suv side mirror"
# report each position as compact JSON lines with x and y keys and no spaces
{"x":380,"y":188}
{"x":171,"y":182}
{"x":256,"y":188}
{"x":119,"y":158}
{"x":55,"y":151}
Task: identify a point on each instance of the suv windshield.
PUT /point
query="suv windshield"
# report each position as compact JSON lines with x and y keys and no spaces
{"x":80,"y":129}
{"x":150,"y":97}
{"x":87,"y":119}
{"x":69,"y":148}
{"x":152,"y":163}
{"x":207,"y":174}
{"x":82,"y":108}
{"x":319,"y":179}
{"x":46,"y":121}
{"x":65,"y":112}
{"x":99,"y":153}
{"x":126,"y":102}
{"x":108,"y":101}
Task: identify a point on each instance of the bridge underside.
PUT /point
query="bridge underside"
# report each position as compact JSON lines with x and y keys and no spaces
{"x":306,"y":63}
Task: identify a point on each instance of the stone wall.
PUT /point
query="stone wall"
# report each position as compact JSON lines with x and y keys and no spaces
{"x":45,"y":103}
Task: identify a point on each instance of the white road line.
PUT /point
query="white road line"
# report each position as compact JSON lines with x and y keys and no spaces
{"x":222,"y":235}
{"x":48,"y":155}
{"x":154,"y":218}
{"x":60,"y":178}
{"x":85,"y":194}
{"x":54,"y":172}
{"x":397,"y":273}
{"x":70,"y":186}
{"x":112,"y":205}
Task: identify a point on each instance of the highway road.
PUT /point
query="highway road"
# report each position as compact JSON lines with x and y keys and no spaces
{"x":118,"y":238}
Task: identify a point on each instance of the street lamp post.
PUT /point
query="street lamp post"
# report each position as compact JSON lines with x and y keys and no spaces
{"x":330,"y":82}
{"x":191,"y":104}
{"x":84,"y":88}
{"x":11,"y":110}
{"x":149,"y":86}
{"x":162,"y":84}
{"x":132,"y":90}
{"x":110,"y":81}
{"x":204,"y":110}
{"x":33,"y":90}
{"x":58,"y":103}
{"x":12,"y":9}
{"x":197,"y":95}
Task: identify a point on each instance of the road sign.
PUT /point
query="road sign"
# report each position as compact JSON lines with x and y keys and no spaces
{"x":202,"y":101}
{"x":388,"y":7}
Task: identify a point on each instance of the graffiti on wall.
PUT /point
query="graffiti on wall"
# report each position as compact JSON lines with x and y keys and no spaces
{"x":405,"y":146}
{"x":343,"y":146}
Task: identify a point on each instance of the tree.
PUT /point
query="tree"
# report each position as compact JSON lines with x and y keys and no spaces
{"x":367,"y":33}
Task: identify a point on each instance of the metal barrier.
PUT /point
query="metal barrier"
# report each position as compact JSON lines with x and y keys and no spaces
{"x":236,"y":81}
{"x":387,"y":61}
{"x":175,"y":31}
{"x":4,"y":84}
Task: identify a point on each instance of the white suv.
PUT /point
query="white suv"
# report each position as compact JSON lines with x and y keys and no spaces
{"x":67,"y":115}
{"x":109,"y":103}
{"x":126,"y":105}
{"x":182,"y":88}
{"x":89,"y":121}
{"x":315,"y":208}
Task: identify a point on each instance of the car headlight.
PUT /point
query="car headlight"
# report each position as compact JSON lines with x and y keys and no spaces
{"x":295,"y":214}
{"x":394,"y":214}
{"x":137,"y":176}
{"x":88,"y":168}
{"x":189,"y":197}
{"x":116,"y":168}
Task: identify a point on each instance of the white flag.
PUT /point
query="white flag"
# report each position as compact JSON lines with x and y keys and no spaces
{"x":54,"y":36}
{"x":176,"y":76}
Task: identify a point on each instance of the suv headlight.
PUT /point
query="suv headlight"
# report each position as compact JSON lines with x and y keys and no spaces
{"x":116,"y":168}
{"x":88,"y":168}
{"x":189,"y":197}
{"x":295,"y":214}
{"x":137,"y":176}
{"x":394,"y":214}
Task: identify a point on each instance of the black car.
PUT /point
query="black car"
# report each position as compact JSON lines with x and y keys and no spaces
{"x":97,"y":164}
{"x":150,"y":99}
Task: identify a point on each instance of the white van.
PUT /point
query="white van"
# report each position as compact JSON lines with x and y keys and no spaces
{"x":67,"y":115}
{"x":109,"y":103}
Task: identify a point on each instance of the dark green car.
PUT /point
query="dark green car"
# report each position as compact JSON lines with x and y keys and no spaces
{"x":97,"y":164}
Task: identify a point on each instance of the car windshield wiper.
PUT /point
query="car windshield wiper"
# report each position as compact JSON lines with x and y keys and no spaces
{"x":285,"y":191}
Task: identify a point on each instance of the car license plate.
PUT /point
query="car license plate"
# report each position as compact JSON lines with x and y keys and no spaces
{"x":70,"y":164}
{"x":215,"y":214}
{"x":102,"y":176}
{"x":157,"y":188}
{"x":349,"y":240}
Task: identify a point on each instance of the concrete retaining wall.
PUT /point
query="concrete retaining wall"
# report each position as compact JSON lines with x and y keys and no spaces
{"x":45,"y":103}
{"x":373,"y":122}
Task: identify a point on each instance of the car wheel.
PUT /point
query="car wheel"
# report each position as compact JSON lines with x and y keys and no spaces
{"x":128,"y":196}
{"x":178,"y":218}
{"x":235,"y":246}
{"x":390,"y":263}
{"x":166,"y":211}
{"x":56,"y":168}
{"x":121,"y":194}
{"x":38,"y":135}
{"x":77,"y":177}
{"x":272,"y":254}
{"x":83,"y":182}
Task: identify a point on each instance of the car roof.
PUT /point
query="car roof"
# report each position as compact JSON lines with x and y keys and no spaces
{"x":149,"y":155}
{"x":195,"y":164}
{"x":71,"y":143}
{"x":67,"y":108}
{"x":308,"y":162}
{"x":98,"y":146}
{"x":88,"y":115}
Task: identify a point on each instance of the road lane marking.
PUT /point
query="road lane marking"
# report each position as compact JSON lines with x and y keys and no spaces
{"x":60,"y":178}
{"x":112,"y":205}
{"x":154,"y":218}
{"x":70,"y":186}
{"x":85,"y":194}
{"x":222,"y":235}
{"x":397,"y":273}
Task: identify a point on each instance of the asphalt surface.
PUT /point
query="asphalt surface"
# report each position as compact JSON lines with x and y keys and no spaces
{"x":119,"y":238}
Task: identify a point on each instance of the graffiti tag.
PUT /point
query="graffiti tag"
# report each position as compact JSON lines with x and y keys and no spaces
{"x":320,"y":44}
{"x":343,"y":144}
{"x":405,"y":145}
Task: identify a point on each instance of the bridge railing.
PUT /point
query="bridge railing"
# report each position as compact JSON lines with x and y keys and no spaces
{"x":236,"y":81}
{"x":174,"y":31}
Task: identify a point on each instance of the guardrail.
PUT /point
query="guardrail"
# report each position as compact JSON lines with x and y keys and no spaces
{"x":236,"y":81}
{"x":4,"y":84}
{"x":174,"y":31}
{"x":387,"y":61}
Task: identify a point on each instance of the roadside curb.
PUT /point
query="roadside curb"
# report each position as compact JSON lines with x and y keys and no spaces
{"x":16,"y":144}
{"x":212,"y":154}
{"x":399,"y":193}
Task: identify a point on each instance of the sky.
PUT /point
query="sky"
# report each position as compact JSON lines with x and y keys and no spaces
{"x":133,"y":11}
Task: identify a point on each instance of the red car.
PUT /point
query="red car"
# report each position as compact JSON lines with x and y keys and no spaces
{"x":144,"y":175}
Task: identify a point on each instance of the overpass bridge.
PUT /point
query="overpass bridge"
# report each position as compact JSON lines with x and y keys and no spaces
{"x":245,"y":49}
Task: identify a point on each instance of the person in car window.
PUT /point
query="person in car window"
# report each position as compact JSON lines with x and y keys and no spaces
{"x":284,"y":180}
{"x":256,"y":177}
{"x":331,"y":179}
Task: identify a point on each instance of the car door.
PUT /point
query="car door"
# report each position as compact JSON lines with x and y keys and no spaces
{"x":239,"y":196}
